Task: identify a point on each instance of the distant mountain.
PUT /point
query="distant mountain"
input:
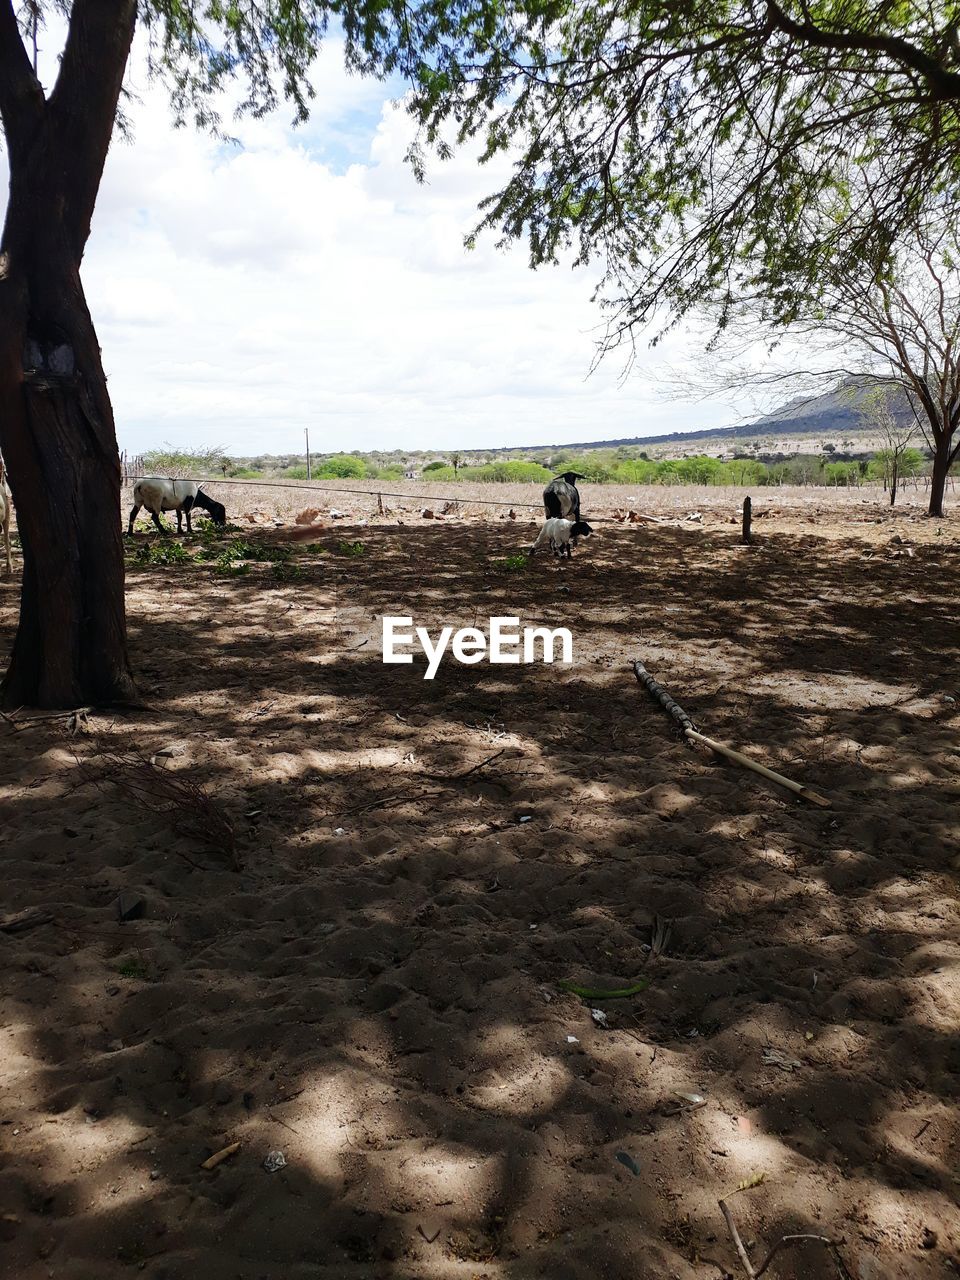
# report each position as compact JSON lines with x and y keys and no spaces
{"x":838,"y":411}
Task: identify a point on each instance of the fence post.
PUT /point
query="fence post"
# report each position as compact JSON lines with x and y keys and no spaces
{"x":747,"y":514}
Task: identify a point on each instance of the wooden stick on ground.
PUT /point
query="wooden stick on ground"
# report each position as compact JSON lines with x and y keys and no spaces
{"x":756,"y":1272}
{"x":739,"y":758}
{"x":691,"y":734}
{"x":218,"y":1157}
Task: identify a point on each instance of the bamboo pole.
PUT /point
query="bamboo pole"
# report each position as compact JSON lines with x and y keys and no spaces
{"x":692,"y":735}
{"x":723,"y":750}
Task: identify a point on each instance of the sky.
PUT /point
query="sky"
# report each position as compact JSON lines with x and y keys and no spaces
{"x":302,"y":278}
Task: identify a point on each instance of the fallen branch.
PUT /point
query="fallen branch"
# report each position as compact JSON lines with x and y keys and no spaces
{"x":691,"y":734}
{"x":21,"y":921}
{"x":754,"y":1273}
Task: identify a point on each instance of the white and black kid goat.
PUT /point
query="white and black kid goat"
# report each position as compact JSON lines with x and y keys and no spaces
{"x":562,"y":535}
{"x":181,"y":496}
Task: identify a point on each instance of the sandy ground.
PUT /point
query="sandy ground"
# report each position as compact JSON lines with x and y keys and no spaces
{"x":375,"y":992}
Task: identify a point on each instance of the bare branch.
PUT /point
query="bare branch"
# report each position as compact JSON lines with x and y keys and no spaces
{"x":21,"y":94}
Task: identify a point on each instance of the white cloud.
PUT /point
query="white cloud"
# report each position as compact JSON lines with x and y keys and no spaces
{"x":305,"y":279}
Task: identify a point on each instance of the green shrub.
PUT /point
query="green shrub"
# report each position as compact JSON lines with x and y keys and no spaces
{"x":158,"y":552}
{"x":340,"y":466}
{"x":512,"y":564}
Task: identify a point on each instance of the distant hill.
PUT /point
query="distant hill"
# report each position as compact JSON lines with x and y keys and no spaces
{"x":834,"y":412}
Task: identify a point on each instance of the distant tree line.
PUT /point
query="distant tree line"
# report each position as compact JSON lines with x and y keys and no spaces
{"x":802,"y":469}
{"x":598,"y":468}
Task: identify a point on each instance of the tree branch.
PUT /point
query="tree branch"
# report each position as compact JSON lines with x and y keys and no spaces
{"x":84,"y":102}
{"x":21,"y":94}
{"x":944,"y":84}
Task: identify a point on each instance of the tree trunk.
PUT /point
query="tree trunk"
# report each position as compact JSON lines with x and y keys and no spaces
{"x":894,"y":477}
{"x":56,"y":421}
{"x":58,"y":439}
{"x":938,"y":478}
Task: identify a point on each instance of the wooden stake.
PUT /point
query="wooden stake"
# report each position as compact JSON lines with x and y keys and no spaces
{"x":747,"y":513}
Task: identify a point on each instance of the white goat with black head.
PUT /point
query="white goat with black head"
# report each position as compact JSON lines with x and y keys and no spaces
{"x":561,"y":497}
{"x":182,"y":496}
{"x":6,"y":507}
{"x":562,"y":535}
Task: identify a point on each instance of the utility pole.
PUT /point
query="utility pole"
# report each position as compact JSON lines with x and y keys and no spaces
{"x":306,"y":436}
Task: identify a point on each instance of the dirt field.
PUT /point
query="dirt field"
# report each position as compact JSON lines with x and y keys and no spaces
{"x":275,"y":500}
{"x":375,"y":992}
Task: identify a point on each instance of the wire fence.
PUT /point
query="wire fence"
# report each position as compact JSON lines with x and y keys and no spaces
{"x":315,"y":487}
{"x":433,"y":499}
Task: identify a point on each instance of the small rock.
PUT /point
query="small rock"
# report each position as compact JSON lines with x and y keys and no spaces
{"x":929,"y":1239}
{"x":306,"y":517}
{"x":427,"y":515}
{"x":600,"y":1019}
{"x":628,"y":1162}
{"x":130,"y":906}
{"x":275,"y":1160}
{"x":429,"y":1230}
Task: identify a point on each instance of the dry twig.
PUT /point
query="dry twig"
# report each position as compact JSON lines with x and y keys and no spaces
{"x":458,"y":777}
{"x":753,"y":1272}
{"x":176,"y":796}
